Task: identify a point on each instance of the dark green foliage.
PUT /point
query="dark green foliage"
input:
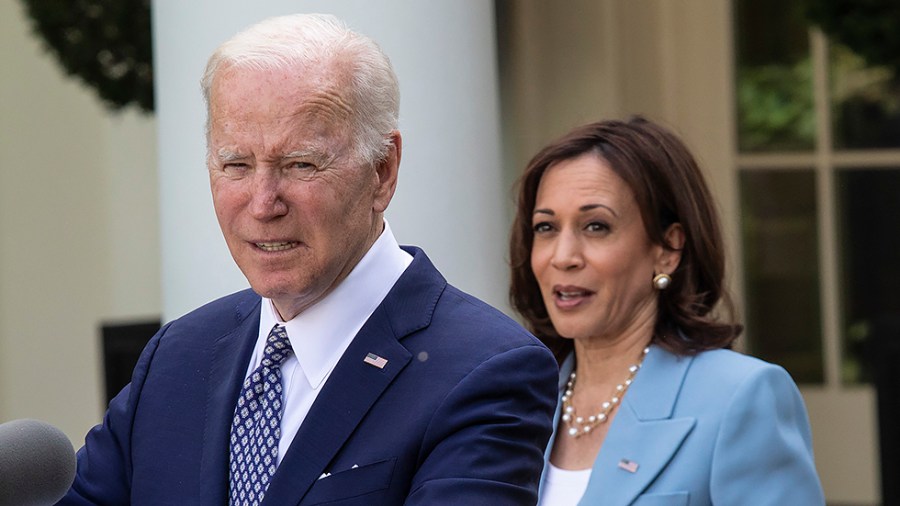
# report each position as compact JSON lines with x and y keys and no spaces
{"x":105,"y":43}
{"x":870,"y":28}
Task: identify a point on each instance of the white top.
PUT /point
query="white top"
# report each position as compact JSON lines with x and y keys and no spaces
{"x":321,"y":334}
{"x":563,"y":487}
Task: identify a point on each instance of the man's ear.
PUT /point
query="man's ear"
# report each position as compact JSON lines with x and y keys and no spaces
{"x":670,"y":256}
{"x":386,"y":173}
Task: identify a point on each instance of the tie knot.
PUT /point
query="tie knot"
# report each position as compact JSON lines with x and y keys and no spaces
{"x":278,"y":347}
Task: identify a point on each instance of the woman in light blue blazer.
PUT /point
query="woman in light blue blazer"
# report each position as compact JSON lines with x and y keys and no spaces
{"x":617,"y":265}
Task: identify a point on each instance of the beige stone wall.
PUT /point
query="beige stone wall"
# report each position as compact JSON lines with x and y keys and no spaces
{"x":78,"y":232}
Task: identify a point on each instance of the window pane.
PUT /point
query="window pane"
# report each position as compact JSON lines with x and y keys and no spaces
{"x":869,"y":204}
{"x":774,"y":76}
{"x":781,"y":263}
{"x":865,"y":102}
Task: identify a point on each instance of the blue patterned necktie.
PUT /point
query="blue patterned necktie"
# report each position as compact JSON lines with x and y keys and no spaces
{"x":256,"y":427}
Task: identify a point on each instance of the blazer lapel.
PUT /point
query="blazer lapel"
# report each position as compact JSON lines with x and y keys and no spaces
{"x":354,"y":385}
{"x":230,"y":356}
{"x":643,"y":436}
{"x":564,"y":370}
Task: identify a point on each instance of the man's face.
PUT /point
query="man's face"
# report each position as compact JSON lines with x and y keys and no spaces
{"x":297,"y":208}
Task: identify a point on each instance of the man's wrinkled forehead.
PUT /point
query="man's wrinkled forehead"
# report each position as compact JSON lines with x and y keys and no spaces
{"x":308,"y":93}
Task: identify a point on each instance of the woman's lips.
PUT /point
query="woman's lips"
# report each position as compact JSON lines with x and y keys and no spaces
{"x":567,"y":297}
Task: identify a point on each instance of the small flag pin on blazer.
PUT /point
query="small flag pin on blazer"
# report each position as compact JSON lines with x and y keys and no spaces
{"x":374,"y":360}
{"x":628,"y":465}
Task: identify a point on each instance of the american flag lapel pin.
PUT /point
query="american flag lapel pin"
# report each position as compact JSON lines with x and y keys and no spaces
{"x":628,"y":465}
{"x":376,"y":361}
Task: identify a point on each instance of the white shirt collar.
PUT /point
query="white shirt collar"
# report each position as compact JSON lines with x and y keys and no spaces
{"x":321,"y":333}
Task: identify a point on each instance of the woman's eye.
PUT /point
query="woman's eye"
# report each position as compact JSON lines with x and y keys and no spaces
{"x":542,"y":227}
{"x":596,"y":226}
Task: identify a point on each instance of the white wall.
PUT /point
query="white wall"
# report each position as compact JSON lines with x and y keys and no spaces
{"x":78,"y":232}
{"x":450,"y":178}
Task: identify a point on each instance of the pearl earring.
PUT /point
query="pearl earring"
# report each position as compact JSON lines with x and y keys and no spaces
{"x":661,"y":281}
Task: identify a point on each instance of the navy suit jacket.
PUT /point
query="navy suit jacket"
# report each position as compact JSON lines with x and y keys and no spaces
{"x":460,"y":414}
{"x":716,"y":428}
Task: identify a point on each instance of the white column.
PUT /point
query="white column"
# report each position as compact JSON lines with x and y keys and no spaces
{"x":450,"y":200}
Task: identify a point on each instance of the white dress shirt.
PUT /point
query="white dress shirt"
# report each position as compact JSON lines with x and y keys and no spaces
{"x":321,"y":334}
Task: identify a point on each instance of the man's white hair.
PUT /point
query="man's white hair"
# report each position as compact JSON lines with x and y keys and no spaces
{"x":304,"y":39}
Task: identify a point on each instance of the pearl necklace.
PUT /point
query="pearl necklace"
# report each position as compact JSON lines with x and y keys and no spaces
{"x":578,"y":426}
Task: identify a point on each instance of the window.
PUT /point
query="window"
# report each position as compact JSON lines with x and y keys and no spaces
{"x":818,"y":129}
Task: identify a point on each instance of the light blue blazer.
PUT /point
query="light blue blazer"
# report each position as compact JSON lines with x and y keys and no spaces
{"x":718,"y":428}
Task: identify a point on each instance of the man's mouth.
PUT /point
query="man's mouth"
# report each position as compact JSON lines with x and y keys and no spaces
{"x":275,"y":246}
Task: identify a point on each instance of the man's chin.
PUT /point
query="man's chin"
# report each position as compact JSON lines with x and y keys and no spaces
{"x":288,"y":302}
{"x":276,"y":293}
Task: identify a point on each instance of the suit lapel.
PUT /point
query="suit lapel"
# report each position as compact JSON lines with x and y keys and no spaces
{"x":230,"y":356}
{"x":354,"y":386}
{"x":643,"y":433}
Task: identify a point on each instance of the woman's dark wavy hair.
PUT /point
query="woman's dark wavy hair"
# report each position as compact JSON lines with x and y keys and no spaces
{"x":669,"y":188}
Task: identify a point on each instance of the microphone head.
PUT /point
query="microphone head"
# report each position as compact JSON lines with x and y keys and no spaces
{"x":37,"y":463}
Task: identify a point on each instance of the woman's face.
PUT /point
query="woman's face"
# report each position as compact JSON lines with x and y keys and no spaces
{"x":591,"y":256}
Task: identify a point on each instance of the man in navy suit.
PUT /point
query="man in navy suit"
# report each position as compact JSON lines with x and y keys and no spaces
{"x":352,"y":373}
